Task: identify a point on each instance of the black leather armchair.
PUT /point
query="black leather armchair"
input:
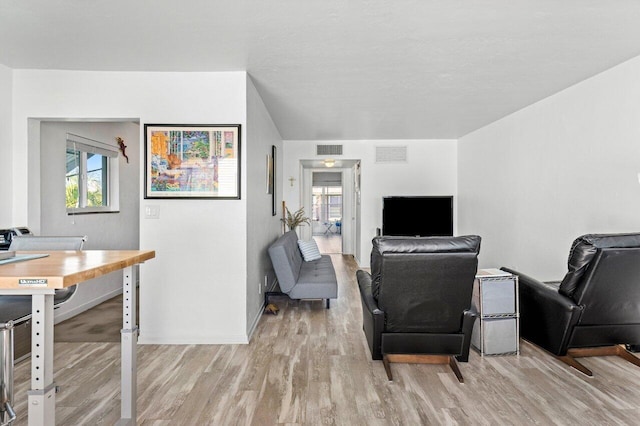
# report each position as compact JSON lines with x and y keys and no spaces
{"x":416,"y":303}
{"x":596,"y":307}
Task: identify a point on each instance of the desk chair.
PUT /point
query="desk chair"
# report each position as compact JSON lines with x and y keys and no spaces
{"x":33,"y":243}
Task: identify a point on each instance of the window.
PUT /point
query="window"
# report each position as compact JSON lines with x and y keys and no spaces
{"x":91,"y":175}
{"x":327,"y":207}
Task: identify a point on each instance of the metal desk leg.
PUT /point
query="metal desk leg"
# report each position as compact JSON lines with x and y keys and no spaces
{"x":7,"y":415}
{"x":129,"y":339}
{"x":42,"y":396}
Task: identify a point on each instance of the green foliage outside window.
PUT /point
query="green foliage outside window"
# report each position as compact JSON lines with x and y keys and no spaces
{"x":72,"y":195}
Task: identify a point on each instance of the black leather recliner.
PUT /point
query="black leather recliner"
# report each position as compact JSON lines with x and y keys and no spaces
{"x":417,"y":299}
{"x":595,"y":308}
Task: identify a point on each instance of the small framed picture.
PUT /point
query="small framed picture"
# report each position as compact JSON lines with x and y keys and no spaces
{"x":269,"y":174}
{"x":272,"y":180}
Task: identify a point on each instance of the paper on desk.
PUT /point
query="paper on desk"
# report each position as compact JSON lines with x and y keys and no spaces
{"x":22,"y":257}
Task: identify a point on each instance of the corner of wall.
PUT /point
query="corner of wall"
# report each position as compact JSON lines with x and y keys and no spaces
{"x":6,"y":145}
{"x":262,"y":226}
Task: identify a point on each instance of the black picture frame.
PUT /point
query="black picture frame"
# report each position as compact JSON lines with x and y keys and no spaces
{"x":274,"y":152}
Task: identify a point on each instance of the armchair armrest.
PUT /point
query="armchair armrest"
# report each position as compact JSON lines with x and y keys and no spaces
{"x":365,"y":285}
{"x":468,"y":318}
{"x":546,"y":316}
{"x":372,"y":316}
{"x":544,"y":291}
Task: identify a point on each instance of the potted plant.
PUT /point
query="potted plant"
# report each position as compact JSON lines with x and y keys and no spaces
{"x":296,"y":219}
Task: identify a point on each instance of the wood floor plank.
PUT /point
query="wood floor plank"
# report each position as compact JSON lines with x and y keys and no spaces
{"x":311,"y":366}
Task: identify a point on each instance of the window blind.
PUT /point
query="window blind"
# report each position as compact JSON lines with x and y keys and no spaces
{"x":80,"y":143}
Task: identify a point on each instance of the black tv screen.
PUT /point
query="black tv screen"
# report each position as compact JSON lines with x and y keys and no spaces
{"x":417,"y":216}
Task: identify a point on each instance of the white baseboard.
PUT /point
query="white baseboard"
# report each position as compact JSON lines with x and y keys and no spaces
{"x":255,"y":322}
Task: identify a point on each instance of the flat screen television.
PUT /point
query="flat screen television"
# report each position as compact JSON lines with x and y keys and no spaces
{"x":417,"y":216}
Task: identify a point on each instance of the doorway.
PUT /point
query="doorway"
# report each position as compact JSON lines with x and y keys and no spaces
{"x":339,"y":196}
{"x":327,"y":211}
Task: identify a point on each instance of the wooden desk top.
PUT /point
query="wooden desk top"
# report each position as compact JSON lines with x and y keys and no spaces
{"x":66,"y":268}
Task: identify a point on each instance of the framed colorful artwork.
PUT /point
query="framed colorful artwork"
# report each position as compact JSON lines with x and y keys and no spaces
{"x":192,"y":161}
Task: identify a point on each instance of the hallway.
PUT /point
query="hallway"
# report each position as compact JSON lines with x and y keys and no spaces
{"x":329,"y":244}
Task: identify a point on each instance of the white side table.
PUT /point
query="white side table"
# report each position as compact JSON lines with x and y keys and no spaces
{"x":495,"y":297}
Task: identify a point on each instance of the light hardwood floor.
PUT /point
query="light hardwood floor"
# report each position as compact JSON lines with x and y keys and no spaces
{"x":311,"y":366}
{"x":329,"y":244}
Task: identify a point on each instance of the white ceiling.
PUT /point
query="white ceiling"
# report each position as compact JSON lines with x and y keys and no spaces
{"x":342,"y":69}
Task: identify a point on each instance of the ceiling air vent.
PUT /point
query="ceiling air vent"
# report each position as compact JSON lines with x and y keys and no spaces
{"x":391,"y":154}
{"x":328,"y":149}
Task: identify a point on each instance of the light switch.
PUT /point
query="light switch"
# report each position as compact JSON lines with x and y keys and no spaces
{"x":152,"y":212}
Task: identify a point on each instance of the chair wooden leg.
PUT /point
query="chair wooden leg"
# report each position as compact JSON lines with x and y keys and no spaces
{"x":456,"y":370}
{"x":387,"y":359}
{"x":625,"y":354}
{"x":617,"y":350}
{"x":387,"y":367}
{"x":598,"y":351}
{"x":572,"y":362}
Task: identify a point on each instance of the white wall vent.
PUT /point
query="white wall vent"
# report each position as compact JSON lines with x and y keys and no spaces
{"x":391,"y":154}
{"x":328,"y":149}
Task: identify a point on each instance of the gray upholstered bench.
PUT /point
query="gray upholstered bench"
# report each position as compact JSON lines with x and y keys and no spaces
{"x":299,"y":279}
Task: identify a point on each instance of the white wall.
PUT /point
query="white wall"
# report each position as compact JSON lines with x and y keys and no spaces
{"x":431,"y":169}
{"x":568,"y":165}
{"x":262,"y":227}
{"x":194,"y":291}
{"x":104,"y":231}
{"x":6,"y":178}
